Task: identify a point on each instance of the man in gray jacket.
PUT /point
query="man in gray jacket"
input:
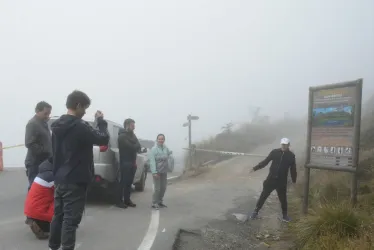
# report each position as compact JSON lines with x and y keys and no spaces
{"x":37,"y":140}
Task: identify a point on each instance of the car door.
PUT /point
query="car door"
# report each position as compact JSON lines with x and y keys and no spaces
{"x":114,"y":146}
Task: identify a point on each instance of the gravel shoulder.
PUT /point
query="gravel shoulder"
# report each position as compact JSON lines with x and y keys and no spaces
{"x":231,"y":230}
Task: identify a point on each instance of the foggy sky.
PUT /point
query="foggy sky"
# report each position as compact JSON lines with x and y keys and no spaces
{"x":157,"y":61}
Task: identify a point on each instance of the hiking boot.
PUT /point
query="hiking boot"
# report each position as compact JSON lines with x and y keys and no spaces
{"x":162,"y":205}
{"x":27,"y":221}
{"x":38,"y":231}
{"x":254,"y":216}
{"x":286,"y":218}
{"x":156,"y":206}
{"x":121,"y":205}
{"x":131,"y":204}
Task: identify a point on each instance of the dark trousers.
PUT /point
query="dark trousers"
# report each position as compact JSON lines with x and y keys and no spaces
{"x":31,"y":172}
{"x":70,"y":200}
{"x":44,"y":225}
{"x":268,"y":187}
{"x":127,"y":174}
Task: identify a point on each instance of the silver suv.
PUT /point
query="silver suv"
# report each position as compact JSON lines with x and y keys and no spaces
{"x":106,"y":160}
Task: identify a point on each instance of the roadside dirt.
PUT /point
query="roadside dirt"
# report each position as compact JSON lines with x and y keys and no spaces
{"x":234,"y":232}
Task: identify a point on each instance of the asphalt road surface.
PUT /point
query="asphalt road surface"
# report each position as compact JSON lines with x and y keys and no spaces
{"x":192,"y":203}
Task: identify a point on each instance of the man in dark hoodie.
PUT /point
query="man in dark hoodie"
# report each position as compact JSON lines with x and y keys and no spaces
{"x":282,"y":162}
{"x":72,"y":141}
{"x":37,"y":140}
{"x":129,"y":146}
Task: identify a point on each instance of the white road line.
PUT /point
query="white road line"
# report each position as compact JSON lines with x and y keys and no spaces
{"x":151,"y":234}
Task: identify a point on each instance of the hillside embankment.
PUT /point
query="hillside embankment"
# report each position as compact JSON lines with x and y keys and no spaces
{"x":332,"y":222}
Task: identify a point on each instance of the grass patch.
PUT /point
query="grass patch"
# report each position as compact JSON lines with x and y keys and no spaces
{"x":328,"y":225}
{"x":332,"y":223}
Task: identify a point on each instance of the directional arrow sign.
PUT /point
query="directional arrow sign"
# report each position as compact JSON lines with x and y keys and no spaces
{"x":185,"y":124}
{"x":193,"y":117}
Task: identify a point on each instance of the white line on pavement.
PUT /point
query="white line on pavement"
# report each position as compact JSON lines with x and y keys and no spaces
{"x":151,"y":234}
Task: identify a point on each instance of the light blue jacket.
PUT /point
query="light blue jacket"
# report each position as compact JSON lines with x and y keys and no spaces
{"x":159,"y":159}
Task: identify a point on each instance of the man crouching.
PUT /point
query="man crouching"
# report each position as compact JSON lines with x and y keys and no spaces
{"x":39,"y":205}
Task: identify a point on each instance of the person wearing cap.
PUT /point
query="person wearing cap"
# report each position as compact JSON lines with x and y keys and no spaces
{"x":129,"y":147}
{"x":282,"y":161}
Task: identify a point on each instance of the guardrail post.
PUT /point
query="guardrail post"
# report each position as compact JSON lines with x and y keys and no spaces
{"x":1,"y":157}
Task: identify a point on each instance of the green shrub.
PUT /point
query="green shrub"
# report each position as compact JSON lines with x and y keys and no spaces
{"x":329,"y":223}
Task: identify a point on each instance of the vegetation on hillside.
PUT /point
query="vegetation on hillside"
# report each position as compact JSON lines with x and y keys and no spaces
{"x":243,"y":140}
{"x":332,"y":223}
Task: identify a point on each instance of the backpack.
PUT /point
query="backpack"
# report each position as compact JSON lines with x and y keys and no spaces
{"x":171,"y":164}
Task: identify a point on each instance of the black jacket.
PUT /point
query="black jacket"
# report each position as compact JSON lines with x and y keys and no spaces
{"x":281,"y":163}
{"x":72,"y":140}
{"x":129,"y":146}
{"x":38,"y":142}
{"x":46,"y":170}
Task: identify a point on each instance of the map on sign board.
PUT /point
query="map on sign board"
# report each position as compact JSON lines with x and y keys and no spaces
{"x":332,"y":130}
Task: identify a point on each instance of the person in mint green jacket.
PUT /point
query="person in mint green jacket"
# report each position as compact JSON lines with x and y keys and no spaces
{"x":159,"y":164}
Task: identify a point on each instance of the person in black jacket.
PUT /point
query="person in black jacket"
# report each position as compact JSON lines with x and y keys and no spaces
{"x":129,"y":147}
{"x":283,"y":161}
{"x":37,"y":140}
{"x":72,"y":141}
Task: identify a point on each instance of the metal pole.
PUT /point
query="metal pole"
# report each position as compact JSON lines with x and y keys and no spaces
{"x":306,"y":190}
{"x":189,"y":142}
{"x":356,"y":143}
{"x":307,"y":160}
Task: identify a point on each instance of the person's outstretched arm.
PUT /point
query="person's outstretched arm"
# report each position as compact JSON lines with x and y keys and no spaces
{"x":293,"y":169}
{"x":265,"y":162}
{"x":98,"y":136}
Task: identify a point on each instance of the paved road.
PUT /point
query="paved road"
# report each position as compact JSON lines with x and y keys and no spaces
{"x":192,"y":203}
